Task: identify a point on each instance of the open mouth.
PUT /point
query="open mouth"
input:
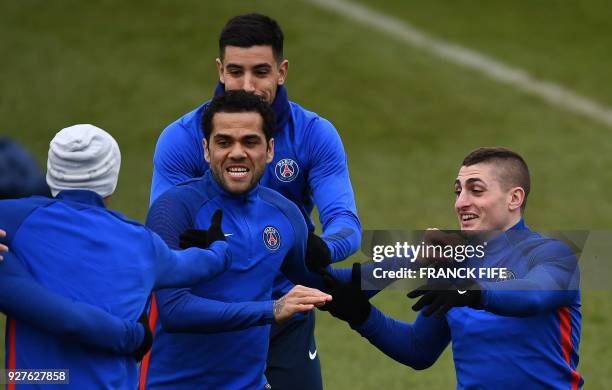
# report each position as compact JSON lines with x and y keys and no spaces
{"x":237,"y":172}
{"x":468,"y":217}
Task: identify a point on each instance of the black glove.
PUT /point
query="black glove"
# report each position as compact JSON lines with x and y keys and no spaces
{"x":435,"y":237}
{"x":318,"y":256}
{"x":349,"y":302}
{"x":147,"y":340}
{"x":203,"y":238}
{"x":440,"y":297}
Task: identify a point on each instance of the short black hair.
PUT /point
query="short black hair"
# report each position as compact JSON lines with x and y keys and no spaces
{"x":239,"y":101}
{"x":512,"y":168}
{"x":252,"y":30}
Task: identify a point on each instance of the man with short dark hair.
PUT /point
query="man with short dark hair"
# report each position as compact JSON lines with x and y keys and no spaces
{"x":224,"y":323}
{"x":309,"y":168}
{"x":522,"y":330}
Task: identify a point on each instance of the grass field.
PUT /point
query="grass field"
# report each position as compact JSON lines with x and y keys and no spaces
{"x":407,"y":118}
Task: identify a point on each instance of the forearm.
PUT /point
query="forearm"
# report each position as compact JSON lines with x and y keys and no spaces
{"x":417,"y":345}
{"x":182,"y":311}
{"x":342,"y":234}
{"x":190,"y":266}
{"x":25,"y":300}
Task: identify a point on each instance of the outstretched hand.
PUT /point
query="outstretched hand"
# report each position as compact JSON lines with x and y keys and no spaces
{"x":203,"y":238}
{"x":350,"y":303}
{"x":3,"y":248}
{"x":298,"y":299}
{"x":147,"y":340}
{"x":318,"y":255}
{"x":440,"y":297}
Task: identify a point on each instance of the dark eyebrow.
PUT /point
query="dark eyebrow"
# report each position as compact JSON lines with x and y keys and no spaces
{"x":222,"y":137}
{"x":262,"y":66}
{"x":475,"y":180}
{"x":234,"y":66}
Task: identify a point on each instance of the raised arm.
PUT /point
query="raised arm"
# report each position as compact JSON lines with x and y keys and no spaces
{"x":552,"y":282}
{"x":22,"y":298}
{"x":332,"y":190}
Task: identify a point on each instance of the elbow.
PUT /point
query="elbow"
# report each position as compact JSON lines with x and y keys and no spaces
{"x":419,"y":364}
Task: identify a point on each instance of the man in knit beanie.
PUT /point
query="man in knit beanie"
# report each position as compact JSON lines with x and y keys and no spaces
{"x":98,"y":259}
{"x":83,"y":157}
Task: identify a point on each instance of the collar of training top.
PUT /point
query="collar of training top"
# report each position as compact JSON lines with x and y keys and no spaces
{"x":81,"y":196}
{"x":510,"y":236}
{"x":280,"y":105}
{"x":213,"y":189}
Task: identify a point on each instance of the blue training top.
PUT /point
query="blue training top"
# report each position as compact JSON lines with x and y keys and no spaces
{"x":77,"y":248}
{"x":525,"y":336}
{"x":266,"y":234}
{"x":309,"y":168}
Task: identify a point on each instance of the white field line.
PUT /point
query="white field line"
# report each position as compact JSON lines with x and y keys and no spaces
{"x":553,"y":93}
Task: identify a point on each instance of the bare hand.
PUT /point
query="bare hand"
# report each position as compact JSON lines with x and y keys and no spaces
{"x":298,"y":299}
{"x":3,"y":248}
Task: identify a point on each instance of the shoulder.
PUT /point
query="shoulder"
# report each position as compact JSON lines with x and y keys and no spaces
{"x":311,"y":122}
{"x":539,"y":248}
{"x":189,"y":191}
{"x":184,"y":128}
{"x":15,"y":211}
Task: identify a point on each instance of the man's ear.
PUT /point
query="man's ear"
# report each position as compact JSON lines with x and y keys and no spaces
{"x":517,"y":197}
{"x":206,"y":153}
{"x":270,"y":151}
{"x":283,"y":69}
{"x":220,"y":70}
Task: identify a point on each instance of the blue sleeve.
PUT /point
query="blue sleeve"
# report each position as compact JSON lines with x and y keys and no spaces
{"x":174,"y":268}
{"x":417,"y":344}
{"x":551,"y":283}
{"x":178,"y":157}
{"x":181,"y":311}
{"x":332,"y":190}
{"x":22,"y":298}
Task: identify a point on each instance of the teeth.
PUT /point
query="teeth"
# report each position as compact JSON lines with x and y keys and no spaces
{"x":467,"y":217}
{"x":237,"y":169}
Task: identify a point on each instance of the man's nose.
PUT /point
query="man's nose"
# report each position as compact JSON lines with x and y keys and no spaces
{"x":462,"y":201}
{"x":237,"y":152}
{"x":249,"y":83}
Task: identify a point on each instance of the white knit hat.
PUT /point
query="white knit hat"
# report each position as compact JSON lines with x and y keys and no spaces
{"x":83,"y":157}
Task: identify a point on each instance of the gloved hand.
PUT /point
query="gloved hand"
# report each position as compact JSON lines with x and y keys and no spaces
{"x":203,"y":238}
{"x":436,"y":237}
{"x":349,"y":302}
{"x":147,"y":340}
{"x":318,"y":256}
{"x":442,"y":296}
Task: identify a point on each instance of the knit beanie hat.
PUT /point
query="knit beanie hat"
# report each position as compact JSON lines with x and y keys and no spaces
{"x":83,"y":157}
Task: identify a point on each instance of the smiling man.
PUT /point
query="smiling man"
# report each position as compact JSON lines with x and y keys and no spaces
{"x":309,"y":168}
{"x":266,"y":234}
{"x":522,"y":331}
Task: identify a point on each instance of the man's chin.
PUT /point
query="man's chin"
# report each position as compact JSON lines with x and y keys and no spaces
{"x":238,"y":188}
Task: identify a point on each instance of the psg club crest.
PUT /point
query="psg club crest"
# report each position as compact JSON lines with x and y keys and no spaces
{"x":286,"y":170}
{"x":271,"y":237}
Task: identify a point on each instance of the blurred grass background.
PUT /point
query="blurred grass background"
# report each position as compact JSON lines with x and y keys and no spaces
{"x":406,"y":118}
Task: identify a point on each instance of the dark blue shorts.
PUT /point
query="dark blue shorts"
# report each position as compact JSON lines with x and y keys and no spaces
{"x":293,"y":359}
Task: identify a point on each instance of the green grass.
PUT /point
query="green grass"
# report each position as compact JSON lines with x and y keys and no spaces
{"x":406,"y":118}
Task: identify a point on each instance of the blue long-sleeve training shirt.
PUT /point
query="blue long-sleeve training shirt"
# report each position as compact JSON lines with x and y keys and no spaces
{"x":266,"y":234}
{"x":74,"y":246}
{"x":525,"y":336}
{"x":309,"y":168}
